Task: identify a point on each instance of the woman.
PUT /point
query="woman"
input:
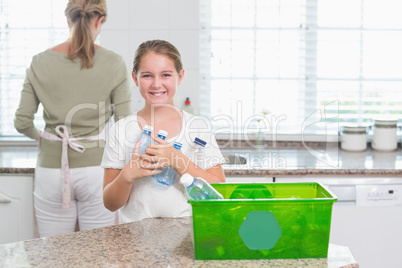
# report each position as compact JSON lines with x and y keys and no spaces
{"x":80,"y":85}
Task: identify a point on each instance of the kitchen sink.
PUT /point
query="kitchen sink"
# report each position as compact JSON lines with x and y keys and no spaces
{"x":234,"y":159}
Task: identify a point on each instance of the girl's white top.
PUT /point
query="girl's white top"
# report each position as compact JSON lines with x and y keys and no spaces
{"x":148,"y":198}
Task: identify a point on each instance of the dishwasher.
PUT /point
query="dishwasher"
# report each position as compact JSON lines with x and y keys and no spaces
{"x":367,"y":217}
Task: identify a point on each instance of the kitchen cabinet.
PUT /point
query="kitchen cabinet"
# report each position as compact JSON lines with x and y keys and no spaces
{"x":16,"y":207}
{"x":367,"y":216}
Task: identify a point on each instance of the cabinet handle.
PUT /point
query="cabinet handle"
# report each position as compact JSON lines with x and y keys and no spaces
{"x":4,"y":200}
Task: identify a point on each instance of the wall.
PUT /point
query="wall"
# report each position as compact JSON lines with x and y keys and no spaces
{"x":130,"y":22}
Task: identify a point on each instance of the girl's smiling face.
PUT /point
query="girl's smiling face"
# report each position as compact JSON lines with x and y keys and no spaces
{"x":157,"y":79}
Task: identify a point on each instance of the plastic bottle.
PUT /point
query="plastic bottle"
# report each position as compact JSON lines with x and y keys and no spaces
{"x":198,"y":188}
{"x":168,"y":175}
{"x":145,"y":138}
{"x":187,"y":106}
{"x":199,"y":144}
{"x":161,"y":134}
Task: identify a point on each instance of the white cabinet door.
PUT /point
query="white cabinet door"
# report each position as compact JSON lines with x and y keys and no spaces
{"x":16,"y":208}
{"x":367,"y":216}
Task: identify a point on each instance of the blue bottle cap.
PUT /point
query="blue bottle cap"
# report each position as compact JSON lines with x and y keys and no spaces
{"x":200,"y":142}
{"x":162,"y":134}
{"x":148,"y":129}
{"x":177,"y":145}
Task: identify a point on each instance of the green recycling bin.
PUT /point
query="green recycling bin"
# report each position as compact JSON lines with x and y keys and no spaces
{"x":263,"y":221}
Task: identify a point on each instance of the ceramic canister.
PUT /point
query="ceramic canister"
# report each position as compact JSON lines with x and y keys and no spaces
{"x":385,"y":135}
{"x":354,"y":138}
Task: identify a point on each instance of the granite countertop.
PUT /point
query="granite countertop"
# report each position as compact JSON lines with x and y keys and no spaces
{"x":148,"y":243}
{"x":18,"y":159}
{"x":281,"y":158}
{"x":296,"y":160}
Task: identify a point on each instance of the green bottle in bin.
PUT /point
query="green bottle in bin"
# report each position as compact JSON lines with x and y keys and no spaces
{"x":198,"y":188}
{"x":251,"y":191}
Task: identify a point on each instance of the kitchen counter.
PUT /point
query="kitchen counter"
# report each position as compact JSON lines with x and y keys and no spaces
{"x":148,"y":243}
{"x":18,"y":159}
{"x":279,"y":159}
{"x":288,"y":160}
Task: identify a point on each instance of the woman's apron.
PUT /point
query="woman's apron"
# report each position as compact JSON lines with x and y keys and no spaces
{"x":68,"y":142}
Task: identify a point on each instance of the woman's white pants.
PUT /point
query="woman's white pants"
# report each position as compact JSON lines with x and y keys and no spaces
{"x":86,"y":211}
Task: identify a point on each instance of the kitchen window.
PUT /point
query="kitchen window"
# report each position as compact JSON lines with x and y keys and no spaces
{"x":26,"y":28}
{"x":307,"y":63}
{"x":302,"y":61}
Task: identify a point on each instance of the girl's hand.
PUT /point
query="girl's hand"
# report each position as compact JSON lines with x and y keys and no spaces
{"x":137,"y":167}
{"x":161,"y":154}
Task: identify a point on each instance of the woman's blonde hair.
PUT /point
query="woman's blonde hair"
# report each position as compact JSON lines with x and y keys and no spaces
{"x":159,"y":47}
{"x":79,"y":13}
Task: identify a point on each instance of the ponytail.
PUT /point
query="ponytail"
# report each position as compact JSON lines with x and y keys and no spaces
{"x":79,"y":14}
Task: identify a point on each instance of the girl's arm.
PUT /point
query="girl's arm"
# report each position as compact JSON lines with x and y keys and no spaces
{"x":116,"y":189}
{"x":117,"y":182}
{"x":163,"y":154}
{"x":212,"y":175}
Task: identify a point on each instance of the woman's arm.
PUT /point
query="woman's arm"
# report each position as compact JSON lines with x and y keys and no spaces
{"x":28,"y":107}
{"x":121,"y":93}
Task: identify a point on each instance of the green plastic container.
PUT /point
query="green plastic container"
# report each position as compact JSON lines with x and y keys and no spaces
{"x":263,"y":221}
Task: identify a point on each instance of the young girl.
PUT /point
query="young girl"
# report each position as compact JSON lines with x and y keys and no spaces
{"x":128,"y":182}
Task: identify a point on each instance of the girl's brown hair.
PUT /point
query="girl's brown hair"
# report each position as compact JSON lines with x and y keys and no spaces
{"x":79,"y":13}
{"x":159,"y":47}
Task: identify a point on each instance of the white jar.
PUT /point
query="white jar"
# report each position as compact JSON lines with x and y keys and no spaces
{"x":354,"y":138}
{"x":385,"y":135}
